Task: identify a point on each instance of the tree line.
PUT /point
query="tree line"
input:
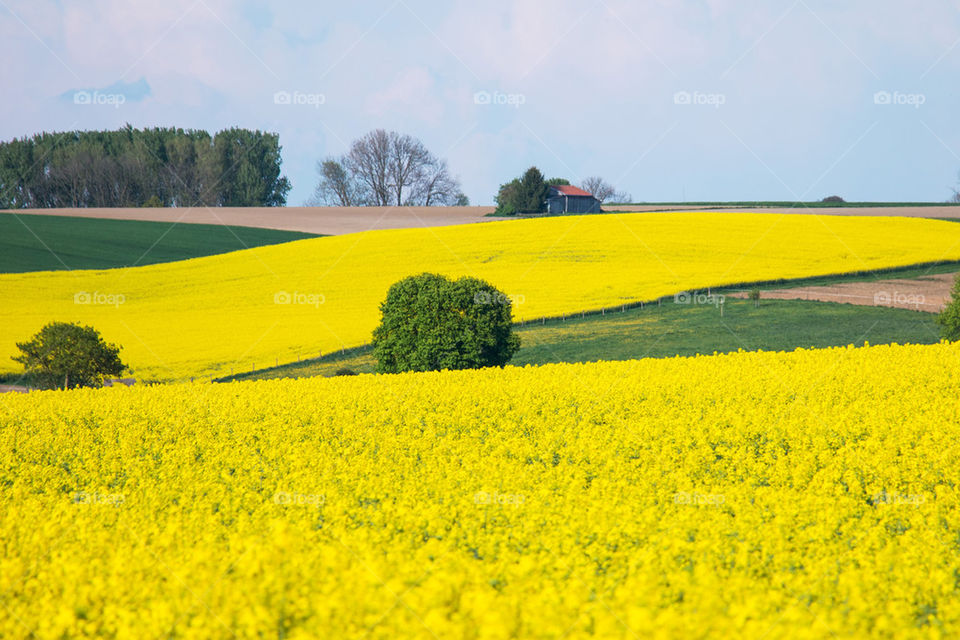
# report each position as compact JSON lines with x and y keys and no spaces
{"x":142,"y":167}
{"x":236,"y":167}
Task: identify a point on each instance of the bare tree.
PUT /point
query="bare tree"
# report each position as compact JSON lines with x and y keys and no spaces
{"x":337,"y":187}
{"x":621,"y":197}
{"x":409,"y":163}
{"x":369,"y":162}
{"x":600,"y":188}
{"x":435,"y":185}
{"x":385,"y":168}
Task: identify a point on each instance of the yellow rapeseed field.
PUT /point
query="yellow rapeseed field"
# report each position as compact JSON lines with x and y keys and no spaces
{"x":205,"y":316}
{"x":753,"y":495}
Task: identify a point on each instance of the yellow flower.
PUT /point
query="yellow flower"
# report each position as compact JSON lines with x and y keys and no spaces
{"x":728,"y":496}
{"x":210,"y":316}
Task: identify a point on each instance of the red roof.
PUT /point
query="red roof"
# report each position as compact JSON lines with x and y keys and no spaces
{"x":569,"y":190}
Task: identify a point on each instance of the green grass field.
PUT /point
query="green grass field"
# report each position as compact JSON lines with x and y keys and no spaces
{"x":55,"y":243}
{"x":672,"y":329}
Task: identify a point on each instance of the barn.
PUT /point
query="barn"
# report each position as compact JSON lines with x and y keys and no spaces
{"x":564,"y":198}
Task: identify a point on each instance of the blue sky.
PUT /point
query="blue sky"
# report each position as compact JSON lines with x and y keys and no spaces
{"x":681,"y":100}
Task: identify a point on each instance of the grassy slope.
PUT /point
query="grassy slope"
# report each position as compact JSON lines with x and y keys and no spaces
{"x":675,"y":329}
{"x":54,"y":243}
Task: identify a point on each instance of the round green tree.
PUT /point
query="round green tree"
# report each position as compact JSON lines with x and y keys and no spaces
{"x":66,"y":355}
{"x":430,"y":323}
{"x":949,"y":318}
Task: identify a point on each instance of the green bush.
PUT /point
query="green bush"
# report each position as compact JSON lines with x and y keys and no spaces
{"x":524,"y":195}
{"x":65,"y":355}
{"x":949,"y":318}
{"x":506,"y":198}
{"x":431,"y":323}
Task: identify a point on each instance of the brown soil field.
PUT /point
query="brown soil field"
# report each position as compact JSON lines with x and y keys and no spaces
{"x":321,"y":220}
{"x":927,"y":293}
{"x":339,"y":220}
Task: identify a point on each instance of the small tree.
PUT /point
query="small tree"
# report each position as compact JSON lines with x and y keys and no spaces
{"x":949,"y":318}
{"x":68,"y":355}
{"x":755,"y":296}
{"x":527,"y":194}
{"x":532,"y":193}
{"x":337,"y":188}
{"x":598,"y":187}
{"x":431,"y":323}
{"x":507,"y":198}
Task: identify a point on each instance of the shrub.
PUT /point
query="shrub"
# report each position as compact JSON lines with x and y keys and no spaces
{"x":69,"y":355}
{"x":431,"y":323}
{"x":835,"y":199}
{"x":507,"y":197}
{"x":153,"y":201}
{"x":345,"y":371}
{"x":949,"y":318}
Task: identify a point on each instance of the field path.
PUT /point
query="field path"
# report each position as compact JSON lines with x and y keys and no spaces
{"x":319,"y":220}
{"x":13,"y":388}
{"x":927,"y":293}
{"x":341,"y":220}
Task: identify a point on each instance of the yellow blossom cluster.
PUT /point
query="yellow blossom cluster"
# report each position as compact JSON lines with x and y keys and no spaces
{"x":210,"y":316}
{"x":752,"y":495}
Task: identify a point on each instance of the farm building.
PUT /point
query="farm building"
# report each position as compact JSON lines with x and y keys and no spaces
{"x":563,"y":198}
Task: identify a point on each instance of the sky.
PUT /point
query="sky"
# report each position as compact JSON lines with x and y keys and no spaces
{"x":680,"y":100}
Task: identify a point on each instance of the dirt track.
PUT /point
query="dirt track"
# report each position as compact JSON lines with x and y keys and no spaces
{"x":339,"y":220}
{"x":12,"y":388}
{"x":927,"y":293}
{"x":322,"y":220}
